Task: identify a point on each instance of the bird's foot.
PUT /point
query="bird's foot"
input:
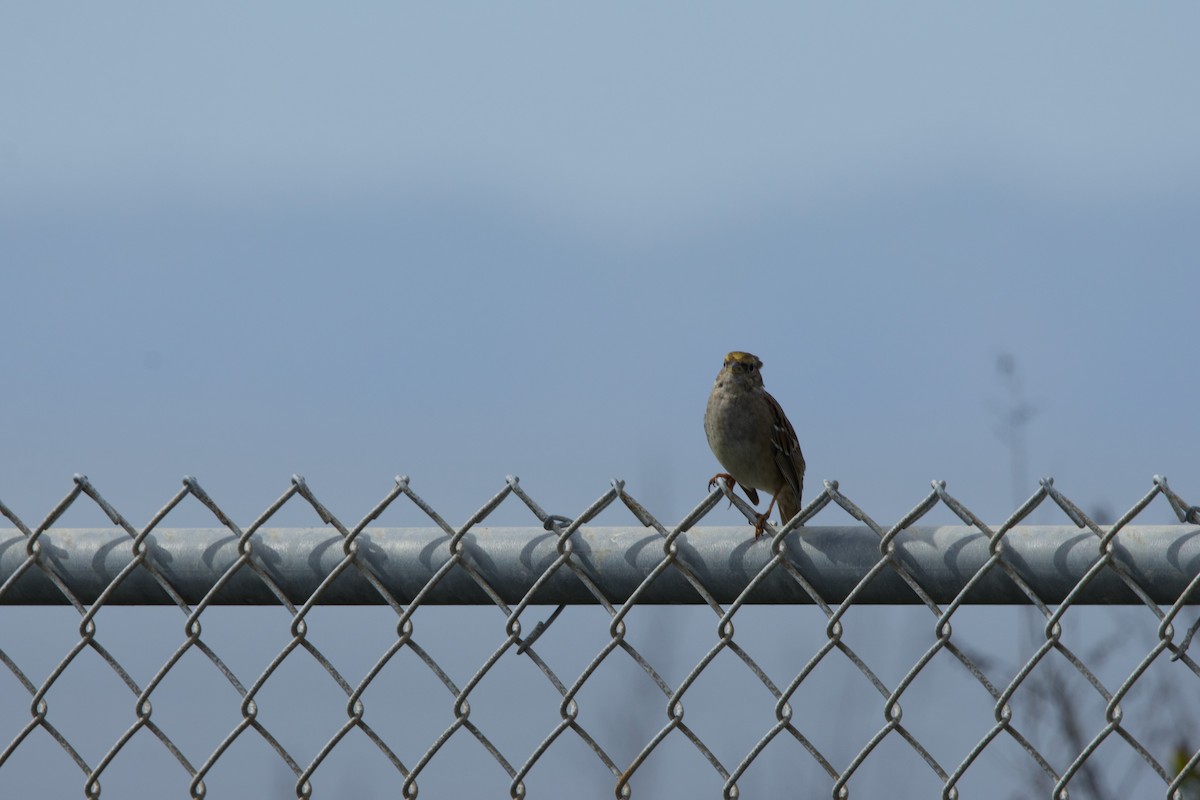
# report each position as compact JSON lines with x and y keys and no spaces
{"x":712,"y":482}
{"x":728,"y":479}
{"x":759,"y":525}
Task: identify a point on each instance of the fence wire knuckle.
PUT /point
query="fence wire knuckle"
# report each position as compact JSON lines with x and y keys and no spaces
{"x":833,"y":566}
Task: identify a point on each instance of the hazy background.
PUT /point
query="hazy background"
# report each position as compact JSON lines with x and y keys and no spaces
{"x":464,"y":242}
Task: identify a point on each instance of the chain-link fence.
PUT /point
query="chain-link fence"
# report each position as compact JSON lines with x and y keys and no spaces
{"x":967,"y":659}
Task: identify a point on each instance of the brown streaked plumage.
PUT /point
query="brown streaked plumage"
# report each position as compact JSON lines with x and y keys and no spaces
{"x":753,"y":439}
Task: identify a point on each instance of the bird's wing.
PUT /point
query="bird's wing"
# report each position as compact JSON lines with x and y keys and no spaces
{"x":786,"y":446}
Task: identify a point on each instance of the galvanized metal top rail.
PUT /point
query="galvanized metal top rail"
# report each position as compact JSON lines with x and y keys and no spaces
{"x":1052,"y":560}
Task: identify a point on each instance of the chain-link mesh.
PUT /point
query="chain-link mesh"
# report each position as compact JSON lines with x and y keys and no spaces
{"x":1155,"y":572}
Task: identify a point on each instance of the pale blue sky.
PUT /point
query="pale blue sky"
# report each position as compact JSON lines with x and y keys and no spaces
{"x":464,"y":242}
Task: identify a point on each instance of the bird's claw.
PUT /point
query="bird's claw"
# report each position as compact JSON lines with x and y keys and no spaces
{"x":759,"y":525}
{"x":712,"y":482}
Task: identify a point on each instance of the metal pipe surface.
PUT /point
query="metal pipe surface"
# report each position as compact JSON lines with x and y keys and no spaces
{"x":1162,"y":560}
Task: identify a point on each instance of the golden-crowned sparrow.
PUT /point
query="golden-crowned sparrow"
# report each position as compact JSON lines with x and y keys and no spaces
{"x":752,"y":438}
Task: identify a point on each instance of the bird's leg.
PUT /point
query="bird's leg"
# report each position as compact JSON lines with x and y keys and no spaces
{"x":762,"y":519}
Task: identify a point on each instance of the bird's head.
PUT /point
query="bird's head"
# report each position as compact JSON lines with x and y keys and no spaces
{"x":743,"y":367}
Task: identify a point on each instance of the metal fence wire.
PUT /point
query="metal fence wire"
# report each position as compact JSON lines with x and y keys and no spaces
{"x":828,"y":572}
